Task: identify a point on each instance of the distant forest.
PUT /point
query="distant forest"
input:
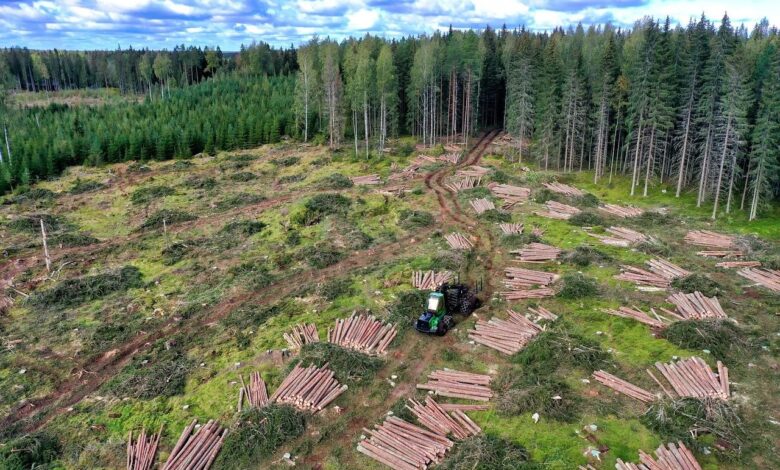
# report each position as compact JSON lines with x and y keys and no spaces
{"x":696,"y":108}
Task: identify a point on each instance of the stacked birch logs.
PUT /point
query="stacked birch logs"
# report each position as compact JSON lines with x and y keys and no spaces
{"x":511,"y":229}
{"x":452,"y":158}
{"x":670,"y":457}
{"x":537,"y":253}
{"x":430,"y":280}
{"x":196,"y":451}
{"x":710,"y":239}
{"x":309,"y":388}
{"x":511,"y":195}
{"x":621,"y":386}
{"x":365,"y":180}
{"x":556,"y":210}
{"x":434,"y":417}
{"x":141,"y":453}
{"x":256,"y":393}
{"x":696,"y":306}
{"x":464,"y":183}
{"x":363,"y":333}
{"x":766,"y":277}
{"x":739,"y":264}
{"x":621,"y":236}
{"x":638,"y":315}
{"x":302,"y":334}
{"x":507,"y":336}
{"x":621,"y":211}
{"x":661,"y":273}
{"x":458,"y":241}
{"x":521,"y":283}
{"x":403,"y":446}
{"x":481,"y":205}
{"x":564,"y":189}
{"x":456,"y":384}
{"x":692,"y":377}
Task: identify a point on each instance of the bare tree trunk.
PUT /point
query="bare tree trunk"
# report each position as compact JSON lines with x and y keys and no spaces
{"x":7,"y":144}
{"x":636,"y":154}
{"x":45,"y":247}
{"x":704,"y":169}
{"x":650,"y":160}
{"x":684,"y":153}
{"x":756,"y":190}
{"x":720,"y":170}
{"x":747,"y":185}
{"x":365,"y":118}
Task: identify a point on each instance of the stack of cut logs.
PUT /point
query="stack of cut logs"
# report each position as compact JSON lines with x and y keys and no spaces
{"x":434,"y":417}
{"x":196,"y":451}
{"x":663,"y":273}
{"x":768,"y":278}
{"x":430,"y":280}
{"x":456,"y":384}
{"x":696,"y":306}
{"x":670,"y":457}
{"x":473,"y":171}
{"x":464,"y":183}
{"x":140,"y":454}
{"x":692,"y":377}
{"x":362,"y":333}
{"x":537,"y":253}
{"x":638,"y":315}
{"x":537,"y":231}
{"x":666,"y":269}
{"x":739,"y":264}
{"x":721,"y":253}
{"x":621,"y":386}
{"x":450,"y":158}
{"x":458,"y":241}
{"x":564,"y":189}
{"x":520,"y":282}
{"x":256,"y":393}
{"x":403,"y":446}
{"x":621,"y":211}
{"x":309,"y":388}
{"x":621,"y":236}
{"x":481,"y":205}
{"x":507,"y":336}
{"x":556,"y":210}
{"x":511,"y":229}
{"x":543,"y":314}
{"x":410,"y":170}
{"x":709,"y":239}
{"x":511,"y":195}
{"x":302,"y":334}
{"x":365,"y":180}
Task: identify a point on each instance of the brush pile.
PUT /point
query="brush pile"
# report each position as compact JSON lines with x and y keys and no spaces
{"x":564,"y":189}
{"x":140,"y":454}
{"x":621,"y":211}
{"x":537,"y":253}
{"x":766,"y":277}
{"x":507,"y":336}
{"x":362,"y":333}
{"x":458,"y":241}
{"x":452,"y":158}
{"x":511,"y":229}
{"x":556,"y":210}
{"x":302,"y":334}
{"x":481,"y":205}
{"x":309,"y":388}
{"x":511,"y":195}
{"x":256,"y":393}
{"x":430,"y":280}
{"x":621,"y":236}
{"x":692,"y":377}
{"x":196,"y":451}
{"x":434,"y":417}
{"x":365,"y":180}
{"x":404,"y":446}
{"x":696,"y":306}
{"x":456,"y":384}
{"x":638,"y":315}
{"x":668,"y":458}
{"x":739,"y":264}
{"x":463,"y":183}
{"x":621,"y":386}
{"x":710,"y":239}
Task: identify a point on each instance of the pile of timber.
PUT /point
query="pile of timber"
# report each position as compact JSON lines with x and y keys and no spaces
{"x":739,"y":264}
{"x":404,"y":446}
{"x":537,"y":231}
{"x":638,"y":315}
{"x":394,"y":190}
{"x":721,"y":253}
{"x":140,"y":454}
{"x":434,"y":417}
{"x":696,"y":306}
{"x":363,"y":333}
{"x":453,"y":158}
{"x":537,"y":253}
{"x":556,"y":210}
{"x":666,"y":269}
{"x":309,"y":388}
{"x":462,"y":407}
{"x":256,"y":393}
{"x":642,"y":277}
{"x":621,"y":211}
{"x":456,"y":384}
{"x":518,"y":278}
{"x":464,"y":183}
{"x":511,"y":195}
{"x":430,"y":280}
{"x":692,"y":377}
{"x":670,"y":457}
{"x":511,"y":229}
{"x":507,"y":336}
{"x":564,"y":189}
{"x":458,"y":241}
{"x":768,"y":278}
{"x":621,"y":236}
{"x":543,"y":314}
{"x":524,"y":294}
{"x":365,"y":180}
{"x":196,"y":451}
{"x":473,"y":171}
{"x":302,"y":334}
{"x":710,"y":239}
{"x":411,"y":169}
{"x":621,"y":386}
{"x":481,"y":205}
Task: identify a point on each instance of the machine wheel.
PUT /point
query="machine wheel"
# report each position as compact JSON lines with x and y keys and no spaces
{"x":446,"y":324}
{"x":452,"y":297}
{"x":468,"y":303}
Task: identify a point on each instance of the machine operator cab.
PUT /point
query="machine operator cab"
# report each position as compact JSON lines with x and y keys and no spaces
{"x":440,"y":306}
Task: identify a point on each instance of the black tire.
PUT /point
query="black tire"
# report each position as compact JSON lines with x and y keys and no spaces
{"x":452,"y":298}
{"x":468,"y":303}
{"x":446,"y":324}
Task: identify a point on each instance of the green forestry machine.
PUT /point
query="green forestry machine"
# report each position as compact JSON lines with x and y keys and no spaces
{"x":443,"y":304}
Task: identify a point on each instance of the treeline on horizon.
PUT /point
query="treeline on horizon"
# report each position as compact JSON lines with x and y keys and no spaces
{"x":695,"y":108}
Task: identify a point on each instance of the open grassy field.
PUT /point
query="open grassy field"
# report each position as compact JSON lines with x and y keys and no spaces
{"x":170,"y":280}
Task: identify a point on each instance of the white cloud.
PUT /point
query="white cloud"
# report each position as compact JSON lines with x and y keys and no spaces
{"x":362,"y":20}
{"x":499,"y":9}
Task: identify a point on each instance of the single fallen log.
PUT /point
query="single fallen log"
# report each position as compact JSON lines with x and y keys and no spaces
{"x":766,"y":277}
{"x":141,"y":452}
{"x":537,"y":253}
{"x":564,"y":189}
{"x":458,"y":241}
{"x":196,"y":451}
{"x":363,"y":333}
{"x":622,"y":386}
{"x":739,"y":264}
{"x":710,"y":239}
{"x":457,"y":384}
{"x":256,"y":393}
{"x":302,"y":334}
{"x":697,"y":306}
{"x":638,"y":315}
{"x":556,"y":210}
{"x":430,"y":280}
{"x":720,"y":253}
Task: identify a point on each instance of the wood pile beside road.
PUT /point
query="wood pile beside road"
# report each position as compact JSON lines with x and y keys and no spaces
{"x":564,"y":189}
{"x":430,"y":280}
{"x":302,"y":334}
{"x":196,"y":451}
{"x":308,"y":388}
{"x":511,"y":195}
{"x":511,"y":229}
{"x":363,"y":333}
{"x":666,"y":269}
{"x":768,"y":278}
{"x":670,"y":457}
{"x":621,"y":211}
{"x":692,"y":377}
{"x":141,"y":453}
{"x":256,"y":393}
{"x":464,"y":183}
{"x":739,"y":264}
{"x":481,"y":205}
{"x":458,"y":241}
{"x":366,"y":180}
{"x":556,"y":210}
{"x":434,"y":417}
{"x":457,"y":384}
{"x":621,"y":386}
{"x":537,"y":253}
{"x":403,"y":446}
{"x":696,"y":306}
{"x":638,"y":315}
{"x":507,"y":336}
{"x":710,"y":239}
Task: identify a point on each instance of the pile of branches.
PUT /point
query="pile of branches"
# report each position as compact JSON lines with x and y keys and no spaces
{"x":196,"y":451}
{"x":507,"y":336}
{"x":457,"y":384}
{"x":363,"y":333}
{"x":141,"y":453}
{"x":302,"y":334}
{"x":308,"y":388}
{"x":430,"y":280}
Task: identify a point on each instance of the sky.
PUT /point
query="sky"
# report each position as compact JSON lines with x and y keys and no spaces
{"x":161,"y":24}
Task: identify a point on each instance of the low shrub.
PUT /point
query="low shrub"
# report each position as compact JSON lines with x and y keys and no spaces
{"x":335,"y":181}
{"x":500,"y":177}
{"x":551,"y":398}
{"x":31,"y":224}
{"x":652,"y":219}
{"x":293,"y":238}
{"x":654,"y":247}
{"x":349,"y":367}
{"x":138,"y":167}
{"x":242,"y":176}
{"x":166,"y":217}
{"x":586,"y":218}
{"x":321,"y":255}
{"x":84,"y":289}
{"x":336,"y":288}
{"x":36,"y":450}
{"x":495,"y":216}
{"x":243,"y":227}
{"x":287,"y":161}
{"x":585,"y":255}
{"x":400,"y":410}
{"x":108,"y":334}
{"x":175,"y":252}
{"x":543,"y":195}
{"x":319,"y":206}
{"x":558,"y":348}
{"x":577,"y":286}
{"x":34,"y":195}
{"x":588,"y":200}
{"x":200,"y":182}
{"x":148,"y":194}
{"x":407,"y":308}
{"x":697,"y":282}
{"x":255,"y":315}
{"x":488,"y":452}
{"x":240,"y":200}
{"x":724,"y":339}
{"x":180,"y":165}
{"x":257,"y":275}
{"x":411,"y":219}
{"x":405,"y":149}
{"x":517,"y":240}
{"x":287,"y":179}
{"x":70,"y":239}
{"x":160,"y":372}
{"x":81,"y":186}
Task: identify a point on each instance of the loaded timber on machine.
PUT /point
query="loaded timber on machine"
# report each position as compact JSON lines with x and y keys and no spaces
{"x":430,"y":280}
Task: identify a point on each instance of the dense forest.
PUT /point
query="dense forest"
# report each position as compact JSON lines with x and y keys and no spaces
{"x":695,"y":107}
